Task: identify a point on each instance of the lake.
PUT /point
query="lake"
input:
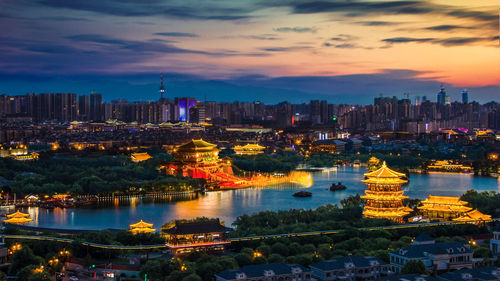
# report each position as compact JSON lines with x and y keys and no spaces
{"x":229,"y":204}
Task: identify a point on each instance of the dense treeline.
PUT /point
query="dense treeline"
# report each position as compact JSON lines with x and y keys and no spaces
{"x":487,"y":202}
{"x":103,"y":175}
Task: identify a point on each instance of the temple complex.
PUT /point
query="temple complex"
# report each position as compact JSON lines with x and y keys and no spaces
{"x":142,"y":227}
{"x":449,"y":167}
{"x":184,"y":237}
{"x":248,"y":149}
{"x":200,"y":160}
{"x":447,"y":208}
{"x":18,"y":218}
{"x":384,"y":196}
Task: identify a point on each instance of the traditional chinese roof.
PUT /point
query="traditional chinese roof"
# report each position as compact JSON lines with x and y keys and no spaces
{"x":250,"y":146}
{"x":142,"y":227}
{"x":384,"y":173}
{"x":473,"y":215}
{"x":138,"y":157}
{"x":18,"y":214}
{"x":196,"y":145}
{"x":184,"y":228}
{"x":444,"y":204}
{"x":373,"y":160}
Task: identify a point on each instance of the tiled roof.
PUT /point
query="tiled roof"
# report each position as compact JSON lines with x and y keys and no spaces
{"x":408,"y":277}
{"x":419,"y":251}
{"x":423,"y":237}
{"x":253,"y":271}
{"x":480,"y":274}
{"x":384,"y":172}
{"x":340,"y":263}
{"x":183,"y":228}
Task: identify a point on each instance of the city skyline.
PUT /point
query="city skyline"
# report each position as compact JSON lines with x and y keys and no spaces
{"x":341,"y":51}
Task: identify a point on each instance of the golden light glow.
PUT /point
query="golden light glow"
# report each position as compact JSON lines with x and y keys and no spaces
{"x":142,"y":227}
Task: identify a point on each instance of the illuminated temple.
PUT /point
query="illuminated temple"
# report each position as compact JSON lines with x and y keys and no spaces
{"x":373,"y":163}
{"x":446,"y":208}
{"x":18,"y":218}
{"x":384,"y":196}
{"x":248,"y":149}
{"x":200,"y":160}
{"x":142,"y":227}
{"x":183,"y":237}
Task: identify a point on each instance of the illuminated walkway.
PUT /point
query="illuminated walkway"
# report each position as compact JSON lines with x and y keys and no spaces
{"x":238,"y":239}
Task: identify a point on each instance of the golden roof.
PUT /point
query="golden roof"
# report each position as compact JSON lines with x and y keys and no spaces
{"x":142,"y":156}
{"x":384,"y":173}
{"x":17,"y":215}
{"x":473,"y":215}
{"x":385,"y":181}
{"x":142,"y":227}
{"x":383,"y":197}
{"x":444,"y":200}
{"x":196,"y":145}
{"x":141,"y":224}
{"x":17,"y":220}
{"x":373,"y":160}
{"x":376,"y":213}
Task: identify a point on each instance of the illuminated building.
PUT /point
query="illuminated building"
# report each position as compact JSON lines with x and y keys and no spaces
{"x":139,"y":157}
{"x":186,"y":237}
{"x":449,"y":166}
{"x":142,"y":227}
{"x":328,"y":146}
{"x":384,"y":196}
{"x":17,"y":218}
{"x":445,"y":208}
{"x":373,"y":163}
{"x":249,"y":149}
{"x":182,"y":106}
{"x":20,"y":153}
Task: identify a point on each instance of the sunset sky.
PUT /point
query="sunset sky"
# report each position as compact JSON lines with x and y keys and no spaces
{"x":345,"y":51}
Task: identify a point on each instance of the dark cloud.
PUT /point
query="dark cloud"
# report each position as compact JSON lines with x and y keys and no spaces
{"x":206,"y":10}
{"x":176,"y":34}
{"x":445,"y":27}
{"x":285,"y":49}
{"x":448,"y":42}
{"x":263,"y":37}
{"x":63,"y":18}
{"x":297,"y":29}
{"x":407,"y":40}
{"x":344,"y":41}
{"x":377,"y":23}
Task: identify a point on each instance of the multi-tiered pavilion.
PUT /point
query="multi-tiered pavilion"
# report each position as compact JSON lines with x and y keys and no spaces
{"x":384,"y":196}
{"x":447,"y":208}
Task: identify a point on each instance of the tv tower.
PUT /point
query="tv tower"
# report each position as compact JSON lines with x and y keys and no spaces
{"x":162,"y":88}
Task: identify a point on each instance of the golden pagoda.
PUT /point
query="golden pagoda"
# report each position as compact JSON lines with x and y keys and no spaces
{"x":17,"y":218}
{"x":197,"y":151}
{"x":373,"y":163}
{"x":139,"y":157}
{"x":142,"y":227}
{"x":249,"y":149}
{"x":443,"y":208}
{"x":384,"y":196}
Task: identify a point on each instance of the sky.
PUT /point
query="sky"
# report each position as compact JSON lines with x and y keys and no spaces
{"x":344,"y":51}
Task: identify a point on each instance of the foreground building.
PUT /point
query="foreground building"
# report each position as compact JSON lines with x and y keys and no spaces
{"x":476,"y":274}
{"x":495,"y":242}
{"x":408,"y":277}
{"x":355,"y":268}
{"x":184,"y":237}
{"x":446,"y":208}
{"x":384,"y":196}
{"x":267,"y":272}
{"x":437,"y":257}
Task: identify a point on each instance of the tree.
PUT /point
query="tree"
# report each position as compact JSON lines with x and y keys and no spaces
{"x":279,"y":248}
{"x":243,"y":259}
{"x":414,"y":267}
{"x":192,"y":277}
{"x":23,"y":258}
{"x":156,"y":269}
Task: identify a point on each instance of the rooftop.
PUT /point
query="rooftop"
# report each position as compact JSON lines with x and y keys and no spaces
{"x":341,"y":263}
{"x":254,"y":271}
{"x":421,"y":251}
{"x":183,"y":228}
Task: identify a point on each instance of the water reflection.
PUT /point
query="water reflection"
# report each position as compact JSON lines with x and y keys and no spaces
{"x":227,"y":205}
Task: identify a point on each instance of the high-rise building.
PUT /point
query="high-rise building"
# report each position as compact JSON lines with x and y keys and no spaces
{"x":83,"y":107}
{"x":441,"y":96}
{"x":197,"y":114}
{"x":95,"y":113}
{"x":465,"y":96}
{"x":183,"y":105}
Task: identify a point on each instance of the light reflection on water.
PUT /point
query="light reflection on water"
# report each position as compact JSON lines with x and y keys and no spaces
{"x":227,"y":205}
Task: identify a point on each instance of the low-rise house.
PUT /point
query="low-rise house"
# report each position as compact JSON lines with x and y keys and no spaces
{"x":476,"y":274}
{"x":352,"y":268}
{"x":495,"y":242}
{"x":267,"y":272}
{"x":438,"y":257}
{"x":408,"y":277}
